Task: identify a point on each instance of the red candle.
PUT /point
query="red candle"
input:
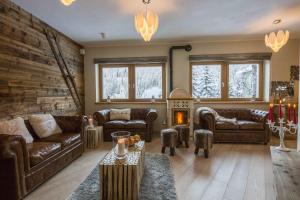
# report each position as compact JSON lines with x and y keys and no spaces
{"x":295,"y":116}
{"x":289,"y":112}
{"x":280,"y":110}
{"x":271,"y":112}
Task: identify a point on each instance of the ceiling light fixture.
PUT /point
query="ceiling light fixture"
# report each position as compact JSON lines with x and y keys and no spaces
{"x":67,"y":2}
{"x":276,"y":41}
{"x":146,"y":24}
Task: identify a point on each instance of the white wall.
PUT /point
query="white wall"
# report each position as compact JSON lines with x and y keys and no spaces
{"x":280,"y":64}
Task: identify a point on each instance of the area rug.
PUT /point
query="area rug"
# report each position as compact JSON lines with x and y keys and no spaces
{"x":157,"y":183}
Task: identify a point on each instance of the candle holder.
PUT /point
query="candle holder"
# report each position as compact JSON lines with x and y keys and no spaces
{"x":120,"y":144}
{"x":291,"y":127}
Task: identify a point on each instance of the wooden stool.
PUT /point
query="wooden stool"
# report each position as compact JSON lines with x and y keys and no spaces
{"x":183,"y":135}
{"x":203,"y":139}
{"x":169,"y":139}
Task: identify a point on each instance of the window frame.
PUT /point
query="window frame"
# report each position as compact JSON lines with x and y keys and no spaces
{"x":225,"y":79}
{"x":131,"y":82}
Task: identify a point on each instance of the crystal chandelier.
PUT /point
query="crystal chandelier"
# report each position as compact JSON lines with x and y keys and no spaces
{"x":276,"y":41}
{"x":146,"y":23}
{"x":67,"y":2}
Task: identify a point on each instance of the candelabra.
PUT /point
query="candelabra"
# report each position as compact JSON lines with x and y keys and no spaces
{"x":291,"y":127}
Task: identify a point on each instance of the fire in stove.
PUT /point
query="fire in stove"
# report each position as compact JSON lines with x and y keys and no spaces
{"x":180,"y":117}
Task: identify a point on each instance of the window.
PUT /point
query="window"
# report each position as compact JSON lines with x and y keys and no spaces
{"x":227,"y":80}
{"x":243,"y":80}
{"x":115,"y":82}
{"x":132,"y":82}
{"x":206,"y":81}
{"x":148,"y":82}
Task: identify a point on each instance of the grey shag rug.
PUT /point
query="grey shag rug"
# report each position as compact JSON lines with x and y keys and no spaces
{"x":157,"y":183}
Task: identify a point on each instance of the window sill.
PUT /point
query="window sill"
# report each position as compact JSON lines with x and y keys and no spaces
{"x":232,"y":102}
{"x":131,"y":102}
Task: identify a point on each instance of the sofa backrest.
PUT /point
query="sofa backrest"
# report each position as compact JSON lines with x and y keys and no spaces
{"x":239,"y":113}
{"x":138,"y":113}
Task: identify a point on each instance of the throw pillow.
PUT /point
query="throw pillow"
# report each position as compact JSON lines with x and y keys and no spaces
{"x":44,"y":125}
{"x":16,"y":127}
{"x":120,"y":114}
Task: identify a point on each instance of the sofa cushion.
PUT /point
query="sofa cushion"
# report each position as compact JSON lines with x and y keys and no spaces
{"x":65,"y":139}
{"x":119,"y":114}
{"x":40,"y":151}
{"x":118,"y":124}
{"x":226,"y":126}
{"x":250,"y":125}
{"x":16,"y":127}
{"x":44,"y":125}
{"x":139,"y":124}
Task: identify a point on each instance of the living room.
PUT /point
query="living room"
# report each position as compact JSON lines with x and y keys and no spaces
{"x":149,"y":99}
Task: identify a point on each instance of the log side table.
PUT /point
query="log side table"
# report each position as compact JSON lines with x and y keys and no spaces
{"x":121,"y":179}
{"x":91,"y":137}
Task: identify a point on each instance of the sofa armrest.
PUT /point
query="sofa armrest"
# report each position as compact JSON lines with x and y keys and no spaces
{"x":259,"y":116}
{"x":151,"y":116}
{"x":101,"y":116}
{"x":207,"y":120}
{"x":14,"y":165}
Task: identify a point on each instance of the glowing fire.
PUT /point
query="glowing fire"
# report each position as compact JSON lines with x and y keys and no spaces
{"x":179,"y":117}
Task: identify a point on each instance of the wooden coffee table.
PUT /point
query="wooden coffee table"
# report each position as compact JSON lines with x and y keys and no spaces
{"x":121,"y":179}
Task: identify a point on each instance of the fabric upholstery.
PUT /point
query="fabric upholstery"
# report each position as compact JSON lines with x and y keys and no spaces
{"x":169,"y":137}
{"x":119,"y":114}
{"x":16,"y":127}
{"x":44,"y":125}
{"x":40,"y":151}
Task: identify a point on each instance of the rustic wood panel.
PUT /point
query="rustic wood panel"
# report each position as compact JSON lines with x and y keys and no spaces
{"x":30,"y":78}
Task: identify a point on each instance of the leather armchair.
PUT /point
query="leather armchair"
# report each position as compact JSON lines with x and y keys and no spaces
{"x":141,"y":122}
{"x":23,"y":167}
{"x":250,"y":127}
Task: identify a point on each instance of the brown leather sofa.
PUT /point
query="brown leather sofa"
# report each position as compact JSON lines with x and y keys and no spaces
{"x":23,"y":167}
{"x":141,"y":123}
{"x":250,"y":127}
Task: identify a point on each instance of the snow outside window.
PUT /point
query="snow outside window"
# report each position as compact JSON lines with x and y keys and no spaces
{"x":206,"y":81}
{"x":243,"y":81}
{"x":148,"y":81}
{"x":115,"y":82}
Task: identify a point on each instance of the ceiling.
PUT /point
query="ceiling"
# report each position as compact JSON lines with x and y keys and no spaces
{"x":180,"y":20}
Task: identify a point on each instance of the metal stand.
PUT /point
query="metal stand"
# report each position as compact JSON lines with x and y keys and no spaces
{"x":291,"y":128}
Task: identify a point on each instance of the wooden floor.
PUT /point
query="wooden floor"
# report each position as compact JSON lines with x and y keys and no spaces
{"x":233,"y":172}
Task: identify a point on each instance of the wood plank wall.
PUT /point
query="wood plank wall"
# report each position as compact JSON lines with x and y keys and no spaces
{"x":30,"y":79}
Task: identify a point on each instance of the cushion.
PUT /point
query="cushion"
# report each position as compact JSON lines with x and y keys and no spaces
{"x":226,"y":126}
{"x":64,"y":139}
{"x":119,"y":114}
{"x":250,"y":125}
{"x":139,"y":124}
{"x":40,"y":151}
{"x":44,"y":125}
{"x":16,"y":127}
{"x":114,"y":124}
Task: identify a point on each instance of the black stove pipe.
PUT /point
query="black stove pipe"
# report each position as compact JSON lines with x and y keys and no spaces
{"x":186,"y":48}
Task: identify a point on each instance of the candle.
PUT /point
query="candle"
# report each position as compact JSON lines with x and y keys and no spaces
{"x":91,"y":121}
{"x":271,"y":112}
{"x":295,"y":116}
{"x":121,"y":146}
{"x":280,"y":110}
{"x":289,"y":112}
